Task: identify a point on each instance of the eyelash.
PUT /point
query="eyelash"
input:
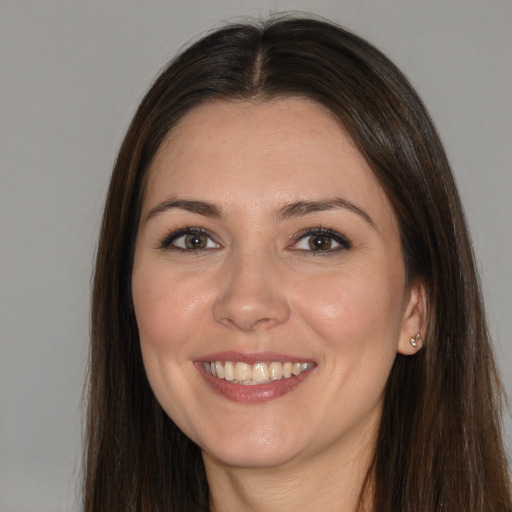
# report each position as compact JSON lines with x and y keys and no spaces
{"x":330,"y":234}
{"x":343,"y":241}
{"x":167,"y":242}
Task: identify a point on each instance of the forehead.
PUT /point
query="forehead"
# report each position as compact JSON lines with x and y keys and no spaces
{"x":253,"y":153}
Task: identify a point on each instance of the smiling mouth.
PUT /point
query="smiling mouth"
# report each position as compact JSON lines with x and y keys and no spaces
{"x":238,"y":372}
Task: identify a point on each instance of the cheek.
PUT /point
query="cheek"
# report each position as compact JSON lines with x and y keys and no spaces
{"x":360,"y":305}
{"x":166,"y":307}
{"x":167,"y":311}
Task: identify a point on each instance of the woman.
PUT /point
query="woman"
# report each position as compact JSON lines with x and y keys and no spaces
{"x":285,"y":308}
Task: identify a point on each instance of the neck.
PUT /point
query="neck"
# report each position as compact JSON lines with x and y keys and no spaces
{"x":332,"y":482}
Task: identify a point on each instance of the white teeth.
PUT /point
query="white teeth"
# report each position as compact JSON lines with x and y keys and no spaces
{"x":260,"y":372}
{"x":276,"y":371}
{"x":220,"y":369}
{"x":244,"y":373}
{"x":229,"y":370}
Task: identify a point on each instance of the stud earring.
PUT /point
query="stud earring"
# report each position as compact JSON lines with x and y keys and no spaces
{"x":416,"y":340}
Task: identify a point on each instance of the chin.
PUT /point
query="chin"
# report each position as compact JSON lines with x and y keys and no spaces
{"x":250,"y":456}
{"x":257,"y":448}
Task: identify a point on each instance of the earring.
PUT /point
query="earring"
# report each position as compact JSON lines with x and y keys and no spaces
{"x":416,"y":340}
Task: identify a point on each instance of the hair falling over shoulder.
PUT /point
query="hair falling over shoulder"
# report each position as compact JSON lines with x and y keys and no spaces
{"x":439,"y":446}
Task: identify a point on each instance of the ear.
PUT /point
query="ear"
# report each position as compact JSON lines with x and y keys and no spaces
{"x":415,"y":319}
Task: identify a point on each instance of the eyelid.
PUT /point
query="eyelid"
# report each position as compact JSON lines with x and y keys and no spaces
{"x":167,"y":241}
{"x":342,"y":240}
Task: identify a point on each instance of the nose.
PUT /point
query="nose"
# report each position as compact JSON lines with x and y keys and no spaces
{"x":252,"y":296}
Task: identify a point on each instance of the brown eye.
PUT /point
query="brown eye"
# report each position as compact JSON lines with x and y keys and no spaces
{"x":189,"y":239}
{"x":320,"y":242}
{"x":195,"y":241}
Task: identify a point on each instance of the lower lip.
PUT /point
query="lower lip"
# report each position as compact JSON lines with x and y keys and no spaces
{"x":252,"y":392}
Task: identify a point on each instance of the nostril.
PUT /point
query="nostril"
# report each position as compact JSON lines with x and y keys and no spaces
{"x":251,"y":298}
{"x":251,"y":315}
{"x":262,"y":323}
{"x":248,"y":323}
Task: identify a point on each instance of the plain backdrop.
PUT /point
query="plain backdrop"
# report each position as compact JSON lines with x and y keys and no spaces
{"x":72,"y":74}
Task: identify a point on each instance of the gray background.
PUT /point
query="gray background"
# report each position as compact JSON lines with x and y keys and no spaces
{"x":72,"y":73}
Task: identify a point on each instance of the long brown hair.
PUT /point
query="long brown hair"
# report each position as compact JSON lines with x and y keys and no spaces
{"x":439,"y":445}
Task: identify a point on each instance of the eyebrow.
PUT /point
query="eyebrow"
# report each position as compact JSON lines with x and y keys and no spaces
{"x":199,"y":207}
{"x":301,"y":208}
{"x":296,"y":209}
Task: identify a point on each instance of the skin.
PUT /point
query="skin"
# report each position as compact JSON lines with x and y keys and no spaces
{"x":258,"y":286}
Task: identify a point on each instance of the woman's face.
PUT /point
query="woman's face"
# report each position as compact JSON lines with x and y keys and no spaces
{"x":267,"y":249}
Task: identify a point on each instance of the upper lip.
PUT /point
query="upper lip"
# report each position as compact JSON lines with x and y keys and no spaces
{"x":253,"y":357}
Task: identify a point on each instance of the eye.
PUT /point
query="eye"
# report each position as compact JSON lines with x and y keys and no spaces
{"x":321,"y":240}
{"x":189,"y":239}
